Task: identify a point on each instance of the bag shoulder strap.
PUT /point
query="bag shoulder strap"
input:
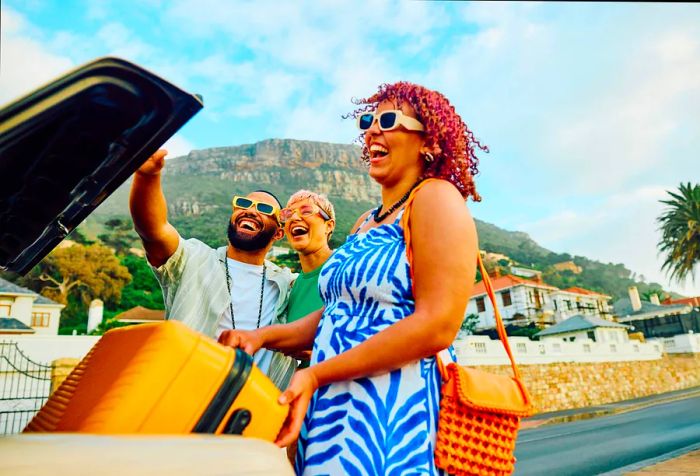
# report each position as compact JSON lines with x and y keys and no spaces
{"x":503,"y":336}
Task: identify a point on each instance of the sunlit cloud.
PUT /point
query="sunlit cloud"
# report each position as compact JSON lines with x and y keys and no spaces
{"x":25,"y":63}
{"x":589,"y":110}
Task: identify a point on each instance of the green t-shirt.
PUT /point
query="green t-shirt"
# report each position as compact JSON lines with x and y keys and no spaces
{"x":304,"y":297}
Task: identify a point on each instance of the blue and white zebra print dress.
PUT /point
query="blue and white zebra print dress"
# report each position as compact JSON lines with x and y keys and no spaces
{"x":383,"y":425}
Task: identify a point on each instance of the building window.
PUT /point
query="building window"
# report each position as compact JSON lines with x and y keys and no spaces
{"x":505,"y":296}
{"x":538,"y":299}
{"x":542,"y":351}
{"x":556,"y":347}
{"x":5,"y":309}
{"x":587,"y":348}
{"x":521,"y":348}
{"x":568,"y":304}
{"x":613,"y":348}
{"x":479,"y":347}
{"x":635,"y":347}
{"x":554,"y":301}
{"x":591,"y":335}
{"x":41,"y":319}
{"x":480,"y":305}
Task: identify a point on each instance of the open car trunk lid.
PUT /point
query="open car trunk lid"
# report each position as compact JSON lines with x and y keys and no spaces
{"x":67,"y":146}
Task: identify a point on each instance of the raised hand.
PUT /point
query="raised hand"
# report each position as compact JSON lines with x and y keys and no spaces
{"x":154,"y":164}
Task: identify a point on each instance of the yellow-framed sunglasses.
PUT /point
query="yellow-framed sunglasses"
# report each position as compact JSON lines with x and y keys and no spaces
{"x":262,"y":207}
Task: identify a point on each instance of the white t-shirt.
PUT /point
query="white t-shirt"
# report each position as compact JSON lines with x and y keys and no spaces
{"x":246,"y":280}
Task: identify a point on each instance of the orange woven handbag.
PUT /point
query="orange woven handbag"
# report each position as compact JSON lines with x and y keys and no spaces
{"x":480,"y":412}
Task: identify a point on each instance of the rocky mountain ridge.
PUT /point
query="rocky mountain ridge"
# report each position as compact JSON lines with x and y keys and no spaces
{"x":200,"y":185}
{"x":333,"y":169}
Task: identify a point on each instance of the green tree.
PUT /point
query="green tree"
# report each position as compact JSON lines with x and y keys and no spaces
{"x":87,"y":272}
{"x":107,"y":324}
{"x":143,"y":290}
{"x":646,"y":295}
{"x":78,"y":235}
{"x":469,"y":324}
{"x":680,"y":232}
{"x":73,"y":317}
{"x":120,"y":235}
{"x":289,"y":260}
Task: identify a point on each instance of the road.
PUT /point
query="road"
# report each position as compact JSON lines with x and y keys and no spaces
{"x":599,"y":445}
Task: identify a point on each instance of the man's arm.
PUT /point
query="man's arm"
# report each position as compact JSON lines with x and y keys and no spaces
{"x":149,"y":211}
{"x":285,"y":338}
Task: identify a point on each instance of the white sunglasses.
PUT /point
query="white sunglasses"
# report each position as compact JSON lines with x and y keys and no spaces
{"x":388,"y":120}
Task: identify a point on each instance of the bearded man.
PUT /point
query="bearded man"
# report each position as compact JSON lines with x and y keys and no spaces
{"x":214,"y":290}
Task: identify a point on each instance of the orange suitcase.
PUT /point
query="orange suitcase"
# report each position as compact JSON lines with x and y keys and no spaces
{"x":163,"y":378}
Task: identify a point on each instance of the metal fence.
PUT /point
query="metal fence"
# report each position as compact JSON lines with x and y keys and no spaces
{"x":24,"y":387}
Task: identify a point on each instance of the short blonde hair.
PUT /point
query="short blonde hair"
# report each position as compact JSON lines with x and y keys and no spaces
{"x":319,"y":199}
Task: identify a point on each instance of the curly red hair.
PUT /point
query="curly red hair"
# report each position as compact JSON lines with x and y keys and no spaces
{"x":448,"y":138}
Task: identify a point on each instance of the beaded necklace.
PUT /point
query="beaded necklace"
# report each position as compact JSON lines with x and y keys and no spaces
{"x":262,"y":294}
{"x":378,"y":216}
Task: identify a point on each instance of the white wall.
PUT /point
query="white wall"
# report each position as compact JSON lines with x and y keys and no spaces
{"x":682,"y":343}
{"x":518,"y":296}
{"x":54,"y":311}
{"x":44,"y":349}
{"x":602,"y":335}
{"x":611,"y":335}
{"x":482,"y":350}
{"x":22,"y":309}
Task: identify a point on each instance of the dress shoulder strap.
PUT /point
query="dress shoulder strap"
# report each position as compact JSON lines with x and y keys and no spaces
{"x":365,"y":221}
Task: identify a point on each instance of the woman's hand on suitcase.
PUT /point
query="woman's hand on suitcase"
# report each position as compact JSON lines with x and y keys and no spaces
{"x":298,"y":395}
{"x":249,"y":341}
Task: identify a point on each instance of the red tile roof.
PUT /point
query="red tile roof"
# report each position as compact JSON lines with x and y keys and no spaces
{"x":141,"y":314}
{"x":693,"y":301}
{"x":588,"y":292}
{"x":508,"y":281}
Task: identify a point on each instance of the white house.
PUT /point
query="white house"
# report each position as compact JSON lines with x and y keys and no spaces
{"x":276,"y":251}
{"x":579,"y":327}
{"x":522,"y":301}
{"x":655,"y":319}
{"x":572,"y":301}
{"x":26,"y":312}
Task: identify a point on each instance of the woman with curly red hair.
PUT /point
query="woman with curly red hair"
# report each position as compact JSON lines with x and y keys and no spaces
{"x":368,"y":403}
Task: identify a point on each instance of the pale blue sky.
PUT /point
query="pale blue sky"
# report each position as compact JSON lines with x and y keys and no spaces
{"x":590,"y":110}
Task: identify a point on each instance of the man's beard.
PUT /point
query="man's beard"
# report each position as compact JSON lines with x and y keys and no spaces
{"x":247,"y":242}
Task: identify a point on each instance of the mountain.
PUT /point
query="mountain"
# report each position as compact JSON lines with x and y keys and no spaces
{"x":199,"y":188}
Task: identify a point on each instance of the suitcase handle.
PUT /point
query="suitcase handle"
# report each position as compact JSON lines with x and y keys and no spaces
{"x":237,"y":422}
{"x":223,"y":400}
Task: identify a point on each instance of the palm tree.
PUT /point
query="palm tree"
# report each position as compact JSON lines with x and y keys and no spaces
{"x":680,"y":230}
